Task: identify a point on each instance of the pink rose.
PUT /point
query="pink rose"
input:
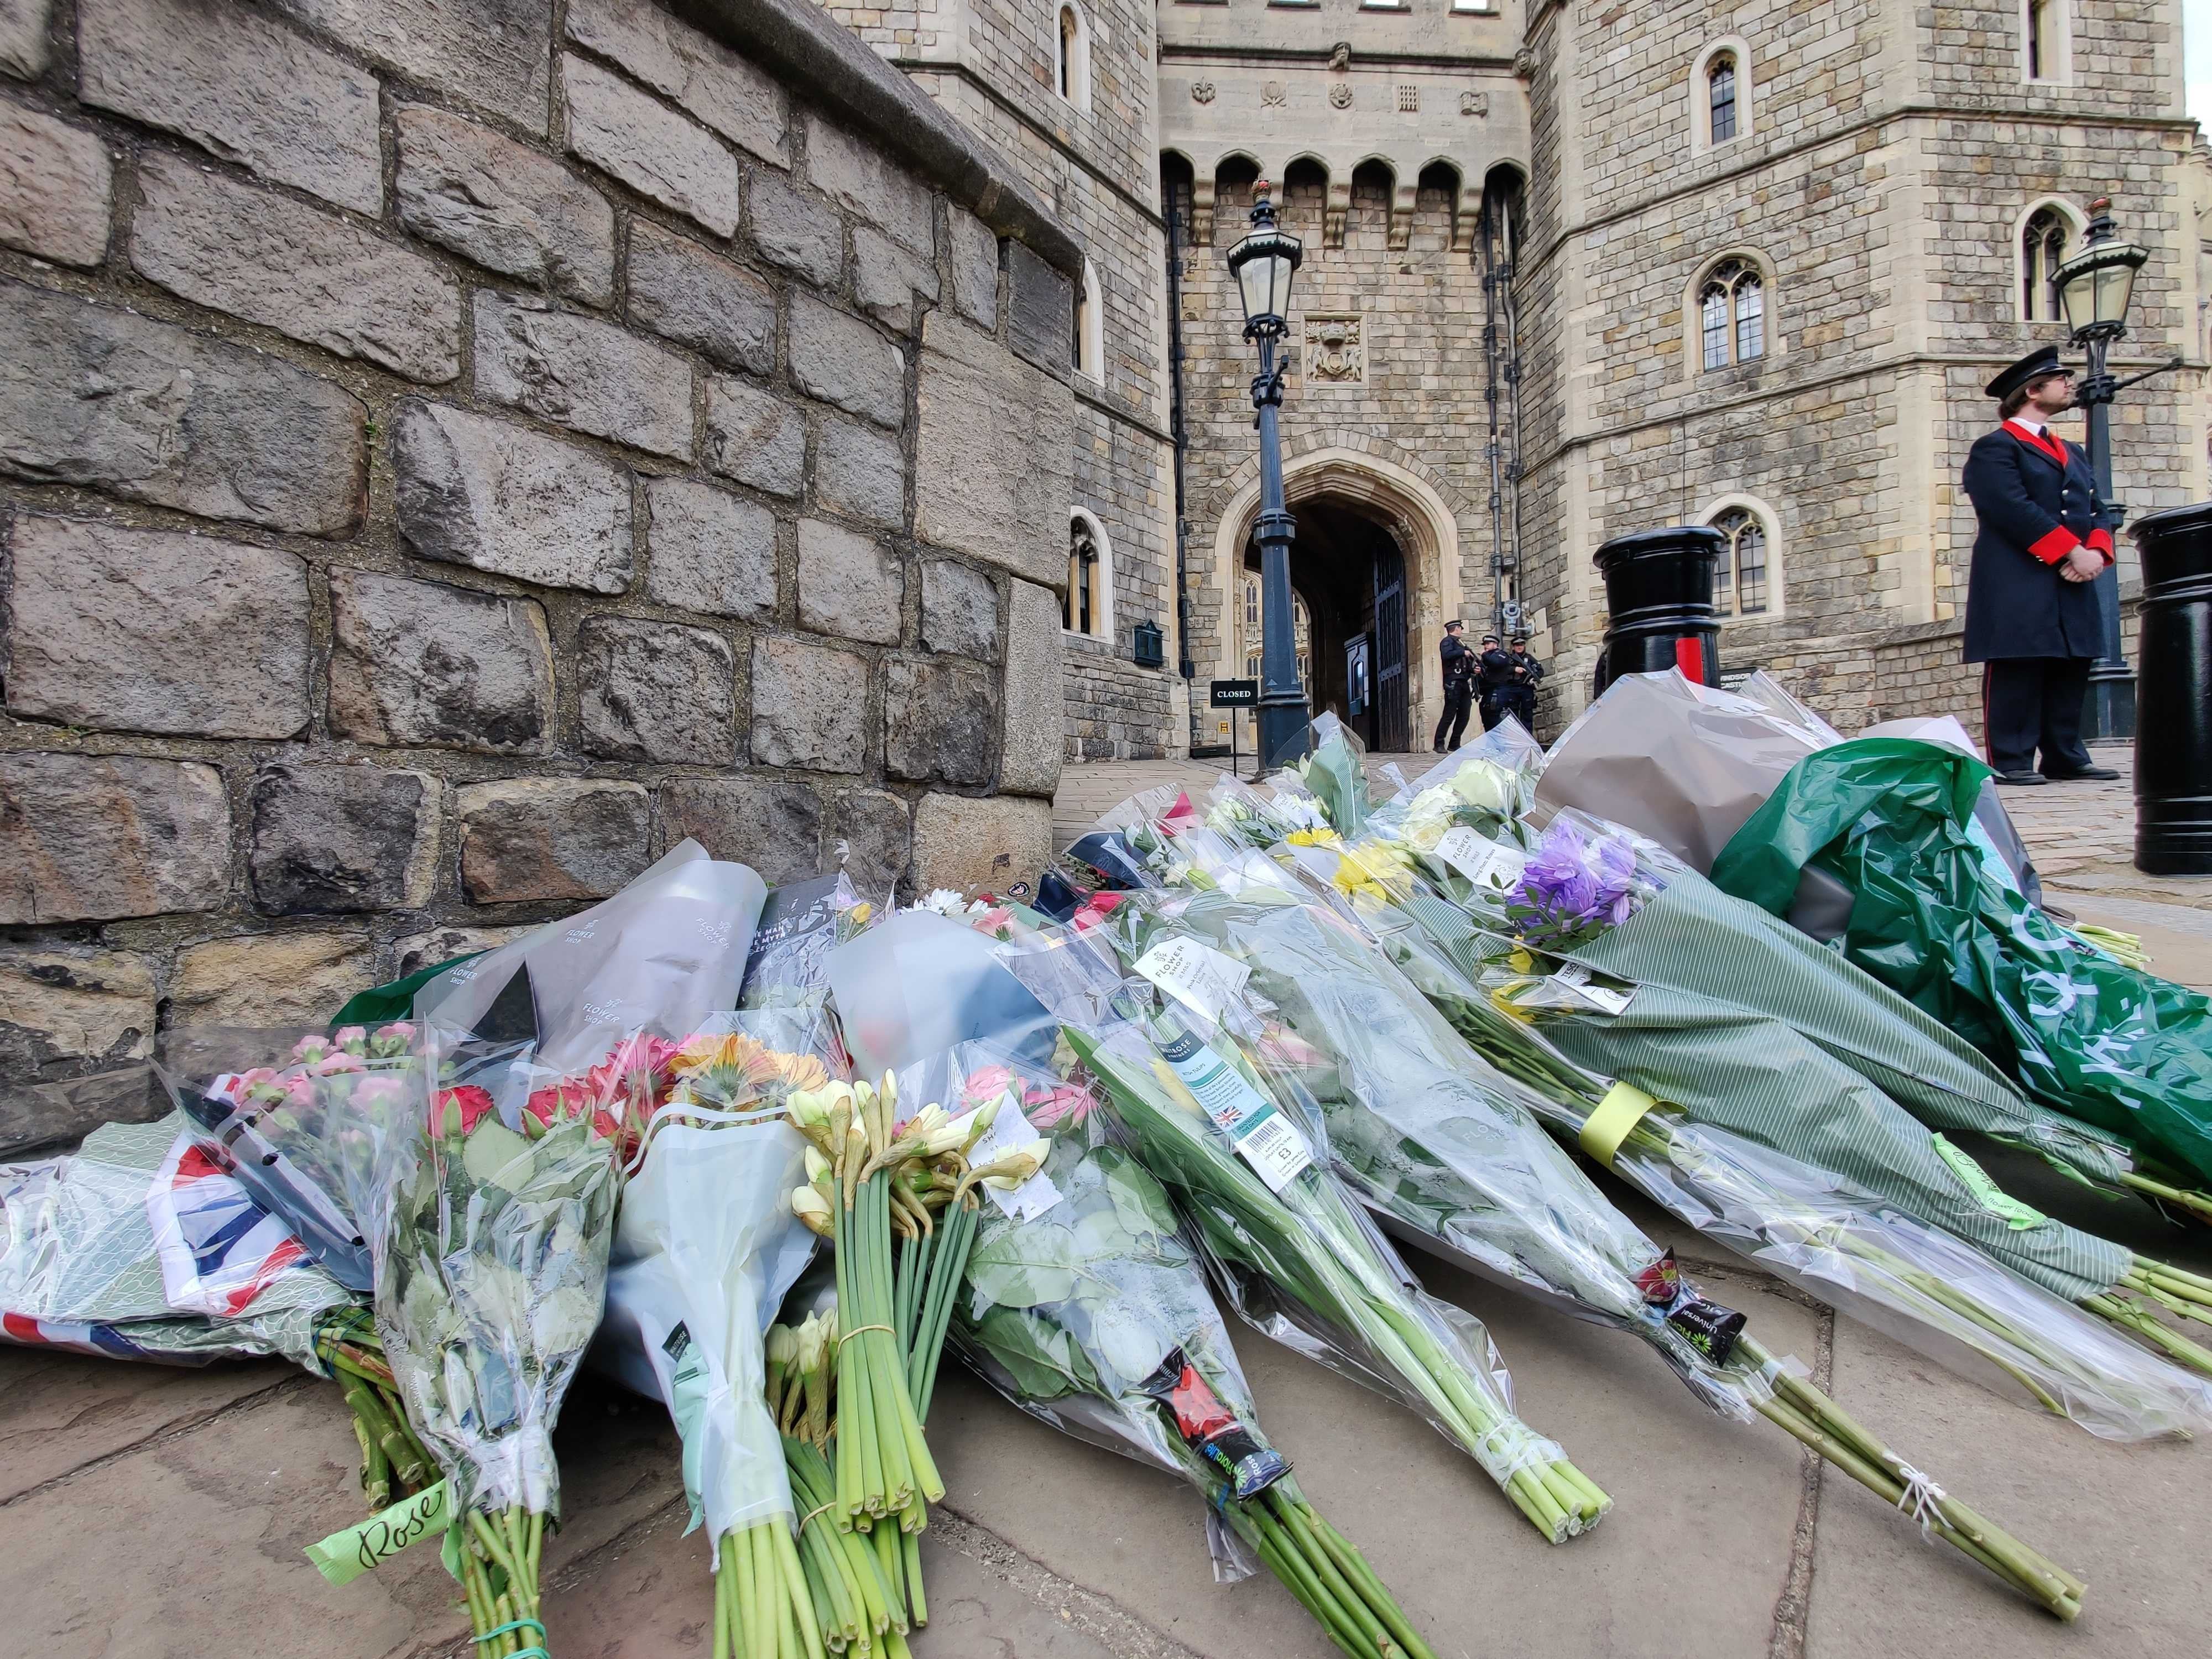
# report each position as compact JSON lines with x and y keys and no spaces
{"x":986,"y":1082}
{"x":331,"y":1064}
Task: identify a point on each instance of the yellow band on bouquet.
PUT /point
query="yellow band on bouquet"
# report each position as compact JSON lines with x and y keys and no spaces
{"x":1621,"y":1111}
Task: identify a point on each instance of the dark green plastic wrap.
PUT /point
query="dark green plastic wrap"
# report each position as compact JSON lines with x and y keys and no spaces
{"x":2084,"y":1034}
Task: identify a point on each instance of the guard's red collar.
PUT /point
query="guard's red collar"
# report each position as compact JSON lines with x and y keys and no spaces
{"x":2041,"y":443}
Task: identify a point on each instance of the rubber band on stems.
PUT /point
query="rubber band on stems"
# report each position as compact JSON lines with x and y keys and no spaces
{"x":857,"y":1329}
{"x":513,"y":1623}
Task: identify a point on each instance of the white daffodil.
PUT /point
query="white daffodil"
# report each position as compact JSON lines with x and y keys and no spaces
{"x":811,"y":1208}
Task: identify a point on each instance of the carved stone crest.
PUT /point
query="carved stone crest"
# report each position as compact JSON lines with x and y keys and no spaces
{"x":1475,"y":103}
{"x":1339,"y":95}
{"x":1201,"y":92}
{"x":1333,"y":350}
{"x":1272,"y":95}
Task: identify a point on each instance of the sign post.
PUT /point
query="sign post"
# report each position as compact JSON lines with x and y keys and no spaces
{"x":1233,"y":694}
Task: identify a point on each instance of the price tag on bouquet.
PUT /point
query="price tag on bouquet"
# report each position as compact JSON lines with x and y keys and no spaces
{"x":1576,"y":980}
{"x":1195,"y":974}
{"x":1489,"y":865}
{"x":1263,"y":1137}
{"x":1010,"y":1132}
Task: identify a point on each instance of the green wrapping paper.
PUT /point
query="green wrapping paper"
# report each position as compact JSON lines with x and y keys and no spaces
{"x":2088,"y":1036}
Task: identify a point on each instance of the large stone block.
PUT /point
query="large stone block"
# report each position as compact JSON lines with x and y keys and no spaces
{"x":867,"y":182}
{"x":91,"y":838}
{"x":680,"y":291}
{"x":496,"y":53}
{"x":271,"y":979}
{"x":419,"y":663}
{"x":650,"y":148}
{"x":974,"y":269}
{"x":24,"y":44}
{"x":851,"y":586}
{"x":583,"y":373}
{"x":886,"y":278}
{"x":873,"y":837}
{"x":56,"y":185}
{"x":755,"y":437}
{"x":959,"y":610}
{"x":773,"y":826}
{"x":505,"y":205}
{"x":861,"y":472}
{"x":994,"y":457}
{"x":312,"y":275}
{"x":144,"y":630}
{"x":939,"y":721}
{"x":342,"y":838}
{"x":552,"y":838}
{"x":419,"y":951}
{"x":1035,"y":740}
{"x":486,"y":493}
{"x":247,"y":89}
{"x":711,"y":551}
{"x":842,"y":359}
{"x":1041,"y":314}
{"x":708,"y":79}
{"x":796,"y":230}
{"x":810,"y":706}
{"x":965,"y":843}
{"x":72,"y":1009}
{"x":651,"y":691}
{"x":89,"y":395}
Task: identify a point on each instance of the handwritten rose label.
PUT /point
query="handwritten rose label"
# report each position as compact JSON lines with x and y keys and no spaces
{"x":344,"y":1556}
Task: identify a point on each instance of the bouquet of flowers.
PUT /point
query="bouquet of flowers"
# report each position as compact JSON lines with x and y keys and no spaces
{"x":2079,"y":1030}
{"x":1296,"y":1256}
{"x":1092,"y":1313}
{"x":490,"y":1215}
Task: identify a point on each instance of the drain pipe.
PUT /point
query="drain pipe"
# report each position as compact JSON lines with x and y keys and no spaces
{"x":1176,"y":430}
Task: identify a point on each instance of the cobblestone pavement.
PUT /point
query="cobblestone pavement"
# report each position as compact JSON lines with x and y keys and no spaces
{"x":148,"y":1513}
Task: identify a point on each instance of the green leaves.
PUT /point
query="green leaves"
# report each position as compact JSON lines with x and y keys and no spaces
{"x":1024,"y":1266}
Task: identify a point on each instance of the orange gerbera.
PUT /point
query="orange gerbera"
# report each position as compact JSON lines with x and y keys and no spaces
{"x":731,"y":1070}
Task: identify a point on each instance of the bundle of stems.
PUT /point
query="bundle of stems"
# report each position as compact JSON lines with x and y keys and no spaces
{"x":393,"y":1464}
{"x":1326,"y":1572}
{"x":500,"y":1554}
{"x":1311,"y":1247}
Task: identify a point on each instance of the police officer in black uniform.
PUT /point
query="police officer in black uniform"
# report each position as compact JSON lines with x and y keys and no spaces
{"x":1459,"y":687}
{"x":1496,"y":680}
{"x":1521,"y":694}
{"x":2032,"y":618}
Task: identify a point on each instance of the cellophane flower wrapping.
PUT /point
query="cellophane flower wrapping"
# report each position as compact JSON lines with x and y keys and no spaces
{"x":491,"y":1216}
{"x":1301,"y":1261}
{"x":81,"y":1265}
{"x":1087,"y":1314}
{"x":786,"y":970}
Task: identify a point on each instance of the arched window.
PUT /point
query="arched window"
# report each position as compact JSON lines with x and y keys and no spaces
{"x":1082,"y":611}
{"x":2042,"y":249}
{"x":1732,"y":314}
{"x":1087,"y":347}
{"x":1072,"y":47}
{"x":1250,"y":629}
{"x":1740,"y":584}
{"x":1720,"y":97}
{"x":2043,"y":39}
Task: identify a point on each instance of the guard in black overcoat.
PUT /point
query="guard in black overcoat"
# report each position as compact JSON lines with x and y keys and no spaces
{"x":2032,"y":618}
{"x":1459,"y":687}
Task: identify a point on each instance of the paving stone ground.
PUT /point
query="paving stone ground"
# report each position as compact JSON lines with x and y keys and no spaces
{"x":154,"y":1512}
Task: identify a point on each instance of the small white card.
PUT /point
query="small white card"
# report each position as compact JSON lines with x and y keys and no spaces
{"x":1577,"y":978}
{"x":1488,"y":864}
{"x":1195,"y":974}
{"x":1011,"y":1131}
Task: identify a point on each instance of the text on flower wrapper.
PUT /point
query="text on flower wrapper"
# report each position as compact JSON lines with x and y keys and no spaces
{"x":578,"y":935}
{"x":344,"y":1556}
{"x":1575,"y":979}
{"x":598,"y":1013}
{"x":1195,"y":974}
{"x":1488,"y":864}
{"x":1262,"y":1136}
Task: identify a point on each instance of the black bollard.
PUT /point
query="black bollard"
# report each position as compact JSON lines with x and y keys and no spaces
{"x":1659,"y":596}
{"x":2173,"y":694}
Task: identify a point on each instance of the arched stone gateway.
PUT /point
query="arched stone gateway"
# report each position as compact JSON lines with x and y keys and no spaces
{"x":1376,"y":568}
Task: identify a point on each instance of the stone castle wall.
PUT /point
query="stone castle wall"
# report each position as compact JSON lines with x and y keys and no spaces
{"x":444,"y":462}
{"x":1882,"y":195}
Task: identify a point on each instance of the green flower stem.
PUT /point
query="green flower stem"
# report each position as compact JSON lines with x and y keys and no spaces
{"x":1354,"y":1567}
{"x":2198,"y":1204}
{"x":1282,"y":1559}
{"x":1318,"y":1563}
{"x":375,"y":1468}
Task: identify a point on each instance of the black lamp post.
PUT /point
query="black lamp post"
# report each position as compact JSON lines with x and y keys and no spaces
{"x":2094,"y":287}
{"x":1263,"y":264}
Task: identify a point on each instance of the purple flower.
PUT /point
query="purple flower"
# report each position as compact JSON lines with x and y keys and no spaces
{"x":1572,"y":888}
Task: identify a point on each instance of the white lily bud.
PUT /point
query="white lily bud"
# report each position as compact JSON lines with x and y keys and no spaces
{"x":782,"y":1345}
{"x":811,"y":1208}
{"x":1009,"y":1172}
{"x":980,"y":1120}
{"x":817,"y":1167}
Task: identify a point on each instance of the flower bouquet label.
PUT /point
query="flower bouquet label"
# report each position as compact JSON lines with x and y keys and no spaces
{"x":1263,"y":1137}
{"x":1488,"y":864}
{"x":1009,"y":1133}
{"x":344,"y":1556}
{"x":1575,"y":979}
{"x":1195,"y":974}
{"x":1211,"y":1429}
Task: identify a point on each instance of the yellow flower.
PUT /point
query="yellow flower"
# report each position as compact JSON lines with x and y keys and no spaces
{"x":733,"y":1071}
{"x":1314,"y":838}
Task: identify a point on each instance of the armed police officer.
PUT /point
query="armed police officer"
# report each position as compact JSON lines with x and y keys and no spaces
{"x":1520,"y":691}
{"x":2043,"y":537}
{"x":1458,"y":669}
{"x":1496,"y":678}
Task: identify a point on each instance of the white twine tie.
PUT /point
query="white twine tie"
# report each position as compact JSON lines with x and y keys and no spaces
{"x":1919,"y":1498}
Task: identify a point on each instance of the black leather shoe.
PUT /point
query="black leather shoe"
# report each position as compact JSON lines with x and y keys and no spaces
{"x":1441,"y":750}
{"x":2021,"y":778}
{"x":2103,"y":773}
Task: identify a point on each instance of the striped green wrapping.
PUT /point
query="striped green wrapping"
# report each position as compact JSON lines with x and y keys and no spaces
{"x":1749,"y":1071}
